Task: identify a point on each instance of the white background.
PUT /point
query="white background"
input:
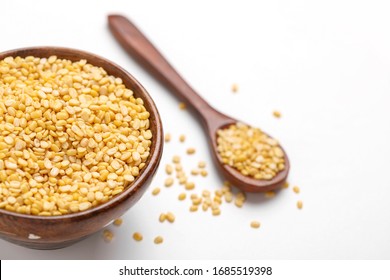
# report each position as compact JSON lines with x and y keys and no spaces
{"x":324,"y":64}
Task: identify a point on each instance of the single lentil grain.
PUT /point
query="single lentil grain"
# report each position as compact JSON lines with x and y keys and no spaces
{"x":239,"y":203}
{"x":241,"y":196}
{"x":226,"y":189}
{"x":168,"y":182}
{"x":193,"y":208}
{"x":118,"y":222}
{"x":162,"y":217}
{"x":194,"y":172}
{"x":182,"y":180}
{"x":182,"y":106}
{"x":228,"y":197}
{"x":299,"y":204}
{"x":189,"y":186}
{"x":167,"y":137}
{"x":137,"y":236}
{"x":158,"y":240}
{"x":227,"y":184}
{"x":296,"y":189}
{"x":156,"y":191}
{"x":255,"y":224}
{"x":176,"y":159}
{"x":197,"y":201}
{"x":108,"y":235}
{"x":216,"y":212}
{"x":191,"y":151}
{"x":168,"y":169}
{"x":277,"y":114}
{"x":270,"y":194}
{"x":206,"y":193}
{"x":234,"y":88}
{"x":182,"y":138}
{"x":171,"y":217}
{"x":182,"y":196}
{"x":178,"y":167}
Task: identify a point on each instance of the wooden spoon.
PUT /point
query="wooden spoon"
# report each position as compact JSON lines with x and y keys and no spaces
{"x":142,"y":50}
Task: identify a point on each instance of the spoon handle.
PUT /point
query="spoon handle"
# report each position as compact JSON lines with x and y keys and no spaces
{"x":143,"y":51}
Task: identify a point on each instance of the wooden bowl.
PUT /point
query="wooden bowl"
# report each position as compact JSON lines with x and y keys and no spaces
{"x":54,"y":232}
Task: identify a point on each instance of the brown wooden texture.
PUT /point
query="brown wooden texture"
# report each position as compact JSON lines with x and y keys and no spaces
{"x":60,"y":231}
{"x":143,"y":51}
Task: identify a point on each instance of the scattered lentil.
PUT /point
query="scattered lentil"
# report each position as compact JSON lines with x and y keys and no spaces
{"x":197,"y":201}
{"x":270,"y":194}
{"x":238,"y":203}
{"x":182,"y":106}
{"x":167,"y":137}
{"x":170,"y":217}
{"x":137,"y":236}
{"x":234,"y":88}
{"x":228,"y":197}
{"x":255,"y":224}
{"x":182,"y":179}
{"x":191,"y":151}
{"x":250,"y":151}
{"x":189,"y":185}
{"x":162,"y":217}
{"x":182,"y":138}
{"x":296,"y":189}
{"x":182,"y":196}
{"x":118,"y":222}
{"x":168,"y":169}
{"x":158,"y":240}
{"x":241,"y":196}
{"x":178,"y":167}
{"x":204,"y":173}
{"x":108,"y":235}
{"x":299,"y":204}
{"x":156,"y":191}
{"x":226,"y":189}
{"x":206,"y":193}
{"x":176,"y":159}
{"x":193,"y":208}
{"x":202,"y":164}
{"x":168,"y":182}
{"x":277,"y":114}
{"x":194,"y":172}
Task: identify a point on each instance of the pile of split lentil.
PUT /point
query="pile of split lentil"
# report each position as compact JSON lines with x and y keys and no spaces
{"x":250,"y":151}
{"x":71,"y":135}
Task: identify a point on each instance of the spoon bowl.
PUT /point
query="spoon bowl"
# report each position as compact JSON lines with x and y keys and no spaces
{"x":245,"y":183}
{"x":143,"y":51}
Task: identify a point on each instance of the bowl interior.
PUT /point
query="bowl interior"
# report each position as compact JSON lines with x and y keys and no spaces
{"x":131,"y":83}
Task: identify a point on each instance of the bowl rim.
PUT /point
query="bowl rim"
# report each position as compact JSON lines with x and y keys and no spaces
{"x":156,"y":146}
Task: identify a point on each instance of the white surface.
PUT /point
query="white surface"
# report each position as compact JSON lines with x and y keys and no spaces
{"x":325,"y":66}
